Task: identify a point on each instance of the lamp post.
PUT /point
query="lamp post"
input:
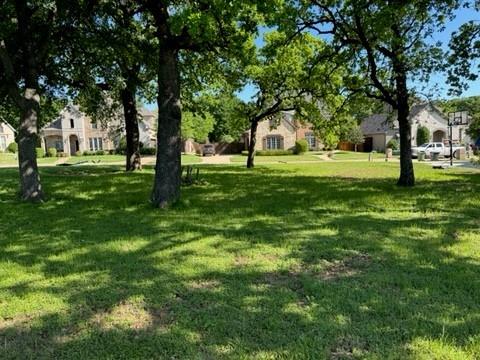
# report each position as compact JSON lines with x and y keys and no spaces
{"x":455,"y":118}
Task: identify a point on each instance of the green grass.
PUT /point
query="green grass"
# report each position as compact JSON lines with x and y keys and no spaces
{"x":304,"y":261}
{"x":11,"y":159}
{"x":350,"y":155}
{"x":276,"y":158}
{"x":97,"y":158}
{"x":190,"y":159}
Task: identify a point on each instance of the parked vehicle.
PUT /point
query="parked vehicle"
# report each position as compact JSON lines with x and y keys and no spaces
{"x":435,"y":147}
{"x":208,"y":150}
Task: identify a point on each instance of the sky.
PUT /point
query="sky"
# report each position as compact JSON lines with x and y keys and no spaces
{"x":437,"y":81}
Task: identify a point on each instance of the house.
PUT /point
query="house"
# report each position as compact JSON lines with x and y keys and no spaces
{"x":282,"y":133}
{"x":74,"y":131}
{"x":379,"y":129}
{"x":7,"y":135}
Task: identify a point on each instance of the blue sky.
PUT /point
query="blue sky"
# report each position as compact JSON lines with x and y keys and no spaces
{"x":437,"y":81}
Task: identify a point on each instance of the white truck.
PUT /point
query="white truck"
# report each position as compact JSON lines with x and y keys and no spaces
{"x":435,"y":147}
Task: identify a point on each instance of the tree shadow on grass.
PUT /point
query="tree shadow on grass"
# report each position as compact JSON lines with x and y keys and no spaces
{"x":269,"y":263}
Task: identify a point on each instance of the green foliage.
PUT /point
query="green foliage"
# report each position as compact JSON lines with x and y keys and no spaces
{"x":40,"y":152}
{"x":354,"y":135}
{"x":122,"y":146}
{"x":301,"y":146}
{"x":88,"y":153}
{"x":100,"y":152}
{"x":469,"y":104}
{"x":330,"y":141}
{"x":197,"y":126}
{"x":12,"y":148}
{"x":78,"y":153}
{"x":423,"y":135}
{"x":148,"y":151}
{"x":393,"y":144}
{"x":464,"y":55}
{"x":52,"y":152}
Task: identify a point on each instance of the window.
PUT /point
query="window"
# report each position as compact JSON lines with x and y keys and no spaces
{"x":94,"y":125}
{"x":95,"y":144}
{"x":273,"y":142}
{"x":3,"y":143}
{"x":59,"y":145}
{"x":72,"y":123}
{"x":312,"y":142}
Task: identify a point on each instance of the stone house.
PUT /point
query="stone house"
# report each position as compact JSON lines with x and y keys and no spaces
{"x":74,"y":131}
{"x":282,"y":133}
{"x":379,"y":129}
{"x":7,"y":135}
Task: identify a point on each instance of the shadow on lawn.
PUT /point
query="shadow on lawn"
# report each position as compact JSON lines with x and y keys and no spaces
{"x":269,"y":263}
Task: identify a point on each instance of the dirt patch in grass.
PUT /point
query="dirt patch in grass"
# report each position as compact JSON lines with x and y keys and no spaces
{"x":133,"y":316}
{"x":348,"y":347}
{"x":347,"y":267}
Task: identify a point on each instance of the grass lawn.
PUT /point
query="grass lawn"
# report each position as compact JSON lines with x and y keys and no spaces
{"x":97,"y":158}
{"x":190,"y":159}
{"x":276,"y":159}
{"x":351,"y":155}
{"x":304,"y":261}
{"x":11,"y":159}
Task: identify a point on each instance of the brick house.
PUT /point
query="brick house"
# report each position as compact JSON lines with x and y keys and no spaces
{"x":282,"y":133}
{"x":379,"y":129}
{"x":74,"y":131}
{"x":7,"y":135}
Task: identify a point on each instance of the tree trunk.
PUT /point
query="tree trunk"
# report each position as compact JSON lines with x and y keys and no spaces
{"x":166,"y":187}
{"x":30,"y":186}
{"x":133,"y":160}
{"x":407,"y":176}
{"x":251,"y":144}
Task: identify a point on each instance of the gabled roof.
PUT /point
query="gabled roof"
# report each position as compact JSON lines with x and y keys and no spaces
{"x":10,"y":126}
{"x":381,"y":123}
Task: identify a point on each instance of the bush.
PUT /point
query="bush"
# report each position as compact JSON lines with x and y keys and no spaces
{"x":12,"y":148}
{"x":61,"y":154}
{"x":88,"y":153}
{"x":122,"y":146}
{"x":52,"y":152}
{"x":148,"y":151}
{"x":40,"y":152}
{"x":99,"y":152}
{"x":301,"y":146}
{"x":423,"y":135}
{"x":78,"y":153}
{"x":393,"y":144}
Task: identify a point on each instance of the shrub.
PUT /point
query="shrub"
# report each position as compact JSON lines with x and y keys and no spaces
{"x":78,"y":153}
{"x":393,"y":144}
{"x":301,"y":146}
{"x":148,"y":151}
{"x":40,"y":152}
{"x":99,"y":152}
{"x":52,"y":152}
{"x":122,"y":146}
{"x":12,"y":148}
{"x":245,"y":152}
{"x":423,"y":135}
{"x":61,"y":154}
{"x":88,"y":153}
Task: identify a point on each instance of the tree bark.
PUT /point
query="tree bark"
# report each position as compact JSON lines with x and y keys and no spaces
{"x":30,"y":185}
{"x":407,"y":176}
{"x":251,"y":144}
{"x":166,"y":187}
{"x":133,"y":159}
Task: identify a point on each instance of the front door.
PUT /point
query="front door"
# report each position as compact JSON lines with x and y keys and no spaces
{"x":74,"y":146}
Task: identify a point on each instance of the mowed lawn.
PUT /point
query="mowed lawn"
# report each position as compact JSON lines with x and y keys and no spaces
{"x":351,"y":155}
{"x":276,"y":158}
{"x":298,"y":261}
{"x":12,"y":159}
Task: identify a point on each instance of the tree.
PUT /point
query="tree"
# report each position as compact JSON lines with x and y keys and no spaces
{"x":384,"y":44}
{"x":464,"y":52}
{"x":290,"y":76}
{"x":31,"y":39}
{"x":186,"y":28}
{"x":355,"y":136}
{"x":423,"y":135}
{"x":110,"y":59}
{"x":197,"y":126}
{"x":471,"y":105}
